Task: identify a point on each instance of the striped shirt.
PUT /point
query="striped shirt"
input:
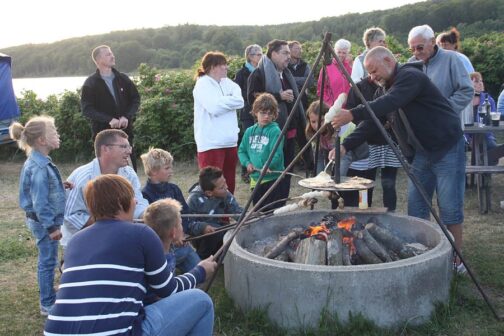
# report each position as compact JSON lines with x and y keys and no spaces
{"x":108,"y":268}
{"x":381,"y":156}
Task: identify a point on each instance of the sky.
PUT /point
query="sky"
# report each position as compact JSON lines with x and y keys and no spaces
{"x":34,"y":21}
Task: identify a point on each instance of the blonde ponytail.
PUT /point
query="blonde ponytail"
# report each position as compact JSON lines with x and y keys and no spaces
{"x":27,"y":135}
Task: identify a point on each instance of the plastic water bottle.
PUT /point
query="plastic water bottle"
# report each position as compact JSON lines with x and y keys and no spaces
{"x":468,"y":116}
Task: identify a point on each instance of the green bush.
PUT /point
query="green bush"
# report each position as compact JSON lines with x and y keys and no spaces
{"x":74,"y":129}
{"x":165,"y":119}
{"x":31,"y":106}
{"x":487,"y":56}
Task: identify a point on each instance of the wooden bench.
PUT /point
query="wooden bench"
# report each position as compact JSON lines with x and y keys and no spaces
{"x":485,"y":169}
{"x":484,"y":183}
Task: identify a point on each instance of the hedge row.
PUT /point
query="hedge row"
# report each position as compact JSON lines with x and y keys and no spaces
{"x":165,"y":118}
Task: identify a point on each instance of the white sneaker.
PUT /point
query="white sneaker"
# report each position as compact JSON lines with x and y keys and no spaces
{"x":44,"y":311}
{"x":461,"y":269}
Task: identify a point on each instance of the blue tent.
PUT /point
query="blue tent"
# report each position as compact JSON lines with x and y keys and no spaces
{"x":9,"y":109}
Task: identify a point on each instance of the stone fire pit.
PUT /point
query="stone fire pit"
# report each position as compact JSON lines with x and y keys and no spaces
{"x":295,"y":294}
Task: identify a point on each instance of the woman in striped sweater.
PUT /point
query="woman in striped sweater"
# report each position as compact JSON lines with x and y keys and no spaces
{"x":110,"y":265}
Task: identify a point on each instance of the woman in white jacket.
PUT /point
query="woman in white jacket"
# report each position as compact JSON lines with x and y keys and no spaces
{"x":216,"y":99}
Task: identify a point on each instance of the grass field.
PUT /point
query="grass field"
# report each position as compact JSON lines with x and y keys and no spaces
{"x":466,"y":313}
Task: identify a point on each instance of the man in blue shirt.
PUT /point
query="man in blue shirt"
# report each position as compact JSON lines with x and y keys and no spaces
{"x":112,"y":152}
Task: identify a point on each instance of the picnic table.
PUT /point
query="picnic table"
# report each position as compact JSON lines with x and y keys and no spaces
{"x":481,"y":168}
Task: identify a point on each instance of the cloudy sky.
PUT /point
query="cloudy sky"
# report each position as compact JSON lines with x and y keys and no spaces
{"x":27,"y":21}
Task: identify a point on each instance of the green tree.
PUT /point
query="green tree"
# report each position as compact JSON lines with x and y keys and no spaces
{"x":75,"y":132}
{"x":487,"y":56}
{"x":165,"y":119}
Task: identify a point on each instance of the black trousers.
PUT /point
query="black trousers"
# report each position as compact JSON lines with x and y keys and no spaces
{"x":388,"y":183}
{"x":281,"y":191}
{"x":205,"y":247}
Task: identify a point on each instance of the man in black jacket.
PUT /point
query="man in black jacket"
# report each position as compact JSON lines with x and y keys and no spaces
{"x":300,"y":71}
{"x":273,"y":76}
{"x":109,"y":98}
{"x":440,"y":162}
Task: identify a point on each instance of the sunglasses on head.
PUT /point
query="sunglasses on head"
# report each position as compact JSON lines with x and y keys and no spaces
{"x":418,"y":48}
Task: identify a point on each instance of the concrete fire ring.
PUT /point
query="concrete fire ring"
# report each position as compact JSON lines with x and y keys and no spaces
{"x":294,"y":295}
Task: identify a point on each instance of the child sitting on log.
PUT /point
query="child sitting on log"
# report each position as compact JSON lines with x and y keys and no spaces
{"x":211,"y":197}
{"x":255,"y":149}
{"x":158,"y":166}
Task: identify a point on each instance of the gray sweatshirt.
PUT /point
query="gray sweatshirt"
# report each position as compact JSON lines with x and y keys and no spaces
{"x":199,"y":203}
{"x":447,"y":72}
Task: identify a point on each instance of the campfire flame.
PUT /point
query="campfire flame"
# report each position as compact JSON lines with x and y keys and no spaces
{"x":320,"y":231}
{"x":347,"y":224}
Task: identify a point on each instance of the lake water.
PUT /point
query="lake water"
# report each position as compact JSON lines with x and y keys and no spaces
{"x":45,"y":86}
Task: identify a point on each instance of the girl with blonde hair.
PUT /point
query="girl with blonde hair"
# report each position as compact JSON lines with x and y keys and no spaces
{"x":42,"y":197}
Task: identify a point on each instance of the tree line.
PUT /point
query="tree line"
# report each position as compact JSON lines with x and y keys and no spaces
{"x":175,"y":47}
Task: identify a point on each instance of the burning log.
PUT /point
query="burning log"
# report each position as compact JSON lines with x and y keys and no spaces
{"x":374,"y":246}
{"x":280,"y":247}
{"x":335,"y":248}
{"x":363,"y":251}
{"x":390,"y":241}
{"x":311,"y":251}
{"x":347,"y":261}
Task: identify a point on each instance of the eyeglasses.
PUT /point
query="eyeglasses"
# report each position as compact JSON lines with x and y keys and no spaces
{"x":122,"y":146}
{"x":266,"y":113}
{"x":418,"y":48}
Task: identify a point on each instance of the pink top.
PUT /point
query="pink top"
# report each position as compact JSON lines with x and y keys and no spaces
{"x":336,"y":84}
{"x":327,"y":142}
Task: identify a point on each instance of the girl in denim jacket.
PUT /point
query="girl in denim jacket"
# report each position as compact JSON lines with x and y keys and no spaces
{"x":42,"y":197}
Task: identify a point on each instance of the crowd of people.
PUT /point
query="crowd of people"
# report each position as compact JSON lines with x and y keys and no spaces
{"x":120,"y":278}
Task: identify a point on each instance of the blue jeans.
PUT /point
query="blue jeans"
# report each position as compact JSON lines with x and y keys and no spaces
{"x":186,"y":258}
{"x":447,"y":177}
{"x":47,"y":260}
{"x":189,"y":312}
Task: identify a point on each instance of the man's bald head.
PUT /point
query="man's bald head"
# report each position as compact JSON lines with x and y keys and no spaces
{"x":380,"y":53}
{"x":380,"y":64}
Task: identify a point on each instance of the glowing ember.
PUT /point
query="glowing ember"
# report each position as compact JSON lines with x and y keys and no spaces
{"x":347,"y":223}
{"x":321,"y":231}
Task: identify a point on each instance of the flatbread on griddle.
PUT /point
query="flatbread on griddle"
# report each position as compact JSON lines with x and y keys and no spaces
{"x":325,"y":181}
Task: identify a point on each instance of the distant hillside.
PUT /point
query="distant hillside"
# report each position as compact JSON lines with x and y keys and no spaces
{"x":181,"y":46}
